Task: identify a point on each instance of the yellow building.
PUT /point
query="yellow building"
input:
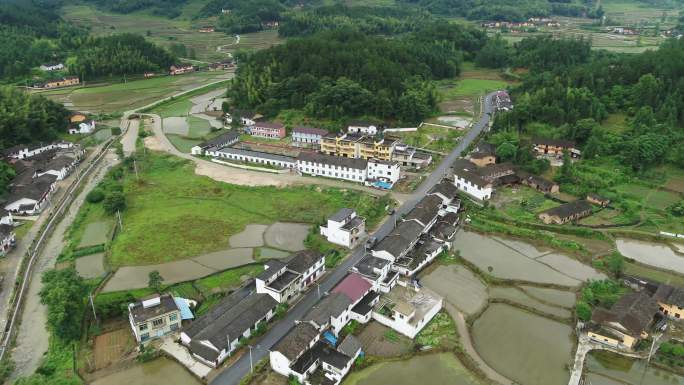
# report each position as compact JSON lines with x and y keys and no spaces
{"x":670,"y":300}
{"x":627,"y":321}
{"x":358,"y":146}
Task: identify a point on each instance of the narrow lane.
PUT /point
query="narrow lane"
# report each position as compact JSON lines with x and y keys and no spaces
{"x":233,"y":374}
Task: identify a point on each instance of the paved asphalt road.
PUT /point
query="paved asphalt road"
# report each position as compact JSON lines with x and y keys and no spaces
{"x":233,"y":374}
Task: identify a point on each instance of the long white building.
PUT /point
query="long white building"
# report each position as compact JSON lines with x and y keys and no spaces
{"x":350,"y":169}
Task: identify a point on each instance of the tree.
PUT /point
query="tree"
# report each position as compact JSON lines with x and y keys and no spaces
{"x":496,"y":53}
{"x":114,"y":201}
{"x":7,"y":173}
{"x":567,"y":170}
{"x":96,"y":195}
{"x":155,"y":281}
{"x":615,"y":263}
{"x":506,"y":151}
{"x":583,"y":311}
{"x":64,"y":294}
{"x":225,"y":107}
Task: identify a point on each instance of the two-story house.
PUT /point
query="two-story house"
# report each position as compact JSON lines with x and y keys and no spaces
{"x":344,"y":228}
{"x":153,"y":317}
{"x":308,"y":136}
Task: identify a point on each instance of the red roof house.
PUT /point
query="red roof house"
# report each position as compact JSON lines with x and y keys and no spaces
{"x":353,"y":286}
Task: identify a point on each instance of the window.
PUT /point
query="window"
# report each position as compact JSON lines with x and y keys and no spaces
{"x":174,"y":326}
{"x":144,"y":336}
{"x":143,"y":327}
{"x":173,"y":317}
{"x":158,"y":322}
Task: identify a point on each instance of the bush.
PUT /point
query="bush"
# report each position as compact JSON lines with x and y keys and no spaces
{"x":95,"y":196}
{"x":583,"y":311}
{"x":114,"y":202}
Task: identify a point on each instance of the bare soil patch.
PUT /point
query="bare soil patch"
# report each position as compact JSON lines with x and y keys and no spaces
{"x":375,"y":343}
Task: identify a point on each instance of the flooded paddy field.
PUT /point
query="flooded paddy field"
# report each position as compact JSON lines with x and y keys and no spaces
{"x":570,"y":266}
{"x":269,"y":253}
{"x":160,"y":371}
{"x":560,"y":298}
{"x":520,"y":297}
{"x":459,"y":286}
{"x":251,"y":236}
{"x":652,"y":254}
{"x":91,"y":266}
{"x":606,"y":368}
{"x":505,"y":261}
{"x":176,"y":125}
{"x":287,"y":236}
{"x":96,"y":233}
{"x":434,"y":369}
{"x":524,"y":347}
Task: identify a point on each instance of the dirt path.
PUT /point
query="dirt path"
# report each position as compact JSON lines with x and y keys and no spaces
{"x":131,"y":135}
{"x":159,"y":142}
{"x":32,"y":338}
{"x":469,"y":348}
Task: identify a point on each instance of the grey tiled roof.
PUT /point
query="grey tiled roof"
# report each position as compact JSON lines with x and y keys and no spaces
{"x":257,"y":154}
{"x":142,"y":314}
{"x":296,"y":341}
{"x":342,"y":214}
{"x":400,"y":238}
{"x":426,"y":210}
{"x":634,"y":311}
{"x":569,"y":209}
{"x":301,"y":261}
{"x":331,"y":306}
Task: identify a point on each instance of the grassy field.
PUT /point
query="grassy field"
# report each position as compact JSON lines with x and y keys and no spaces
{"x":460,"y":95}
{"x":165,"y":32}
{"x":522,"y":203}
{"x":432,"y":137}
{"x":173,"y":213}
{"x":182,"y":143}
{"x":119,"y":97}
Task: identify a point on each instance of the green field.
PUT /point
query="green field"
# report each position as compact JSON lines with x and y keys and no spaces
{"x":432,"y":137}
{"x":182,"y":143}
{"x":173,"y":213}
{"x":119,"y":97}
{"x":461,"y":95}
{"x":165,"y":31}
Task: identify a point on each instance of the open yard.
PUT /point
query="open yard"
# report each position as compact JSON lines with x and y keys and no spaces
{"x":174,"y":214}
{"x":120,"y":96}
{"x":431,"y":137}
{"x":109,"y":348}
{"x":460,"y":95}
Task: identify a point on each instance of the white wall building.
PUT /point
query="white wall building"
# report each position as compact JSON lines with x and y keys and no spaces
{"x":240,"y":155}
{"x":307,"y":136}
{"x":349,"y":169}
{"x":407,"y":309}
{"x":384,"y":171}
{"x":344,"y":228}
{"x":360,"y":127}
{"x":83,"y":128}
{"x":52,"y":67}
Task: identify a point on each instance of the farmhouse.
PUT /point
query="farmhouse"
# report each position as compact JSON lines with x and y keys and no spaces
{"x":410,"y":157}
{"x":224,"y":140}
{"x":503,"y":101}
{"x":267,"y":130}
{"x":627,"y":321}
{"x":7,"y":238}
{"x":308,"y":136}
{"x":52,"y":67}
{"x":247,"y":118}
{"x":56,"y":83}
{"x":670,"y":300}
{"x":538,"y":183}
{"x":30,"y":199}
{"x":285,"y":353}
{"x":6,"y":217}
{"x":344,"y":228}
{"x":330,"y":312}
{"x":182,"y":68}
{"x":215,"y":335}
{"x":153,"y":317}
{"x":362,"y":127}
{"x":356,"y":144}
{"x":554,"y":148}
{"x":407,"y":309}
{"x":399,"y":241}
{"x":598,"y":200}
{"x":383,"y":171}
{"x":27,"y":151}
{"x":484,"y":155}
{"x":470,"y":182}
{"x":206,"y":29}
{"x":60,"y":167}
{"x":221,"y":65}
{"x":310,"y":264}
{"x":278,"y":281}
{"x":566,"y":212}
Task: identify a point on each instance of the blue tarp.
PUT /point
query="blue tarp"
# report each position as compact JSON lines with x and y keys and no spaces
{"x":330,"y":337}
{"x":184,"y":308}
{"x":382,"y":185}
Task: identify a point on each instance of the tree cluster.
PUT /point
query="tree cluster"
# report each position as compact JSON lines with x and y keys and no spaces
{"x":118,"y":55}
{"x":29,"y":118}
{"x":339,"y":74}
{"x":572,"y":89}
{"x":64,"y":293}
{"x":505,"y":10}
{"x":167,"y":8}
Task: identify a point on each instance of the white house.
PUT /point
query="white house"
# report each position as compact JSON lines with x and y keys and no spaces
{"x":52,"y":67}
{"x":27,"y":151}
{"x":83,"y":128}
{"x":344,"y":228}
{"x":153,"y":317}
{"x":308,"y":263}
{"x":407,"y":309}
{"x":286,"y":352}
{"x":60,"y":167}
{"x":383,"y":171}
{"x":6,"y":217}
{"x":362,"y":127}
{"x":468,"y":180}
{"x":307,"y":136}
{"x":349,"y":169}
{"x":30,"y":199}
{"x":278,"y":281}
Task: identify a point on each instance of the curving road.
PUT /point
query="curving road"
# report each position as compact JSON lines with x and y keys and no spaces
{"x":233,"y":374}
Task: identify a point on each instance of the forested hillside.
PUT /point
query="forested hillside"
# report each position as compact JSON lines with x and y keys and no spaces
{"x":570,"y":90}
{"x":167,"y":8}
{"x":342,"y":73}
{"x":512,"y":10}
{"x":117,"y":55}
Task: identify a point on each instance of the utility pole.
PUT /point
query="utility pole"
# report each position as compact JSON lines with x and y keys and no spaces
{"x":90,"y":296}
{"x":251,"y":366}
{"x":118,"y":215}
{"x":135,"y":167}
